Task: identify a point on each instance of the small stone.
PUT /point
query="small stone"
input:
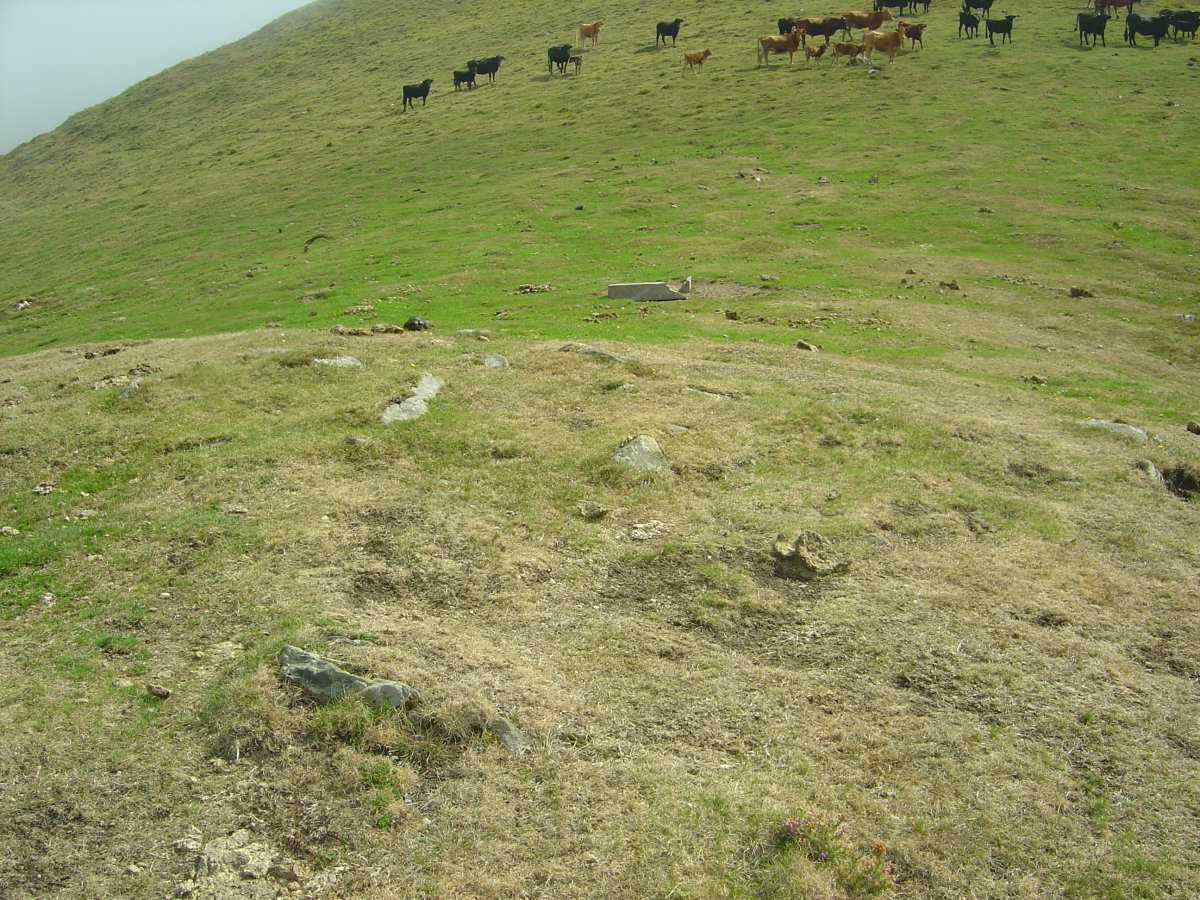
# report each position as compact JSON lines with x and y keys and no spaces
{"x":879,"y":540}
{"x":810,"y":555}
{"x":386,"y":328}
{"x":130,"y":388}
{"x":283,"y":871}
{"x":592,"y":511}
{"x":950,"y":285}
{"x":416,"y":323}
{"x":338,"y":362}
{"x":43,"y":489}
{"x":1192,"y":427}
{"x":822,"y":180}
{"x":642,"y":452}
{"x":1121,"y":428}
{"x":768,"y":277}
{"x":157,"y":690}
{"x":357,"y":441}
{"x":122,"y":683}
{"x":185,"y":888}
{"x":164,"y":595}
{"x":910,"y":271}
{"x":1080,"y":292}
{"x":986,"y":209}
{"x":805,"y":345}
{"x":133,"y":869}
{"x":1036,"y":379}
{"x":510,"y":737}
{"x":732,"y":315}
{"x":359,"y":310}
{"x":874,"y":179}
{"x":9,"y":531}
{"x":494,"y":361}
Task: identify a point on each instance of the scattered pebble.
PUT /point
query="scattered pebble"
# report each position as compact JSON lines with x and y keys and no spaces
{"x":157,"y":690}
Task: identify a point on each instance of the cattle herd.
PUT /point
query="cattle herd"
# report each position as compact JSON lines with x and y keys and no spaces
{"x":795,"y":33}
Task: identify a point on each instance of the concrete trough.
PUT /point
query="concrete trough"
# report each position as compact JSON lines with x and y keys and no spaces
{"x":648,"y":290}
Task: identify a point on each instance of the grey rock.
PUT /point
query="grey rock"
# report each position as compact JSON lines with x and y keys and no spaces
{"x":157,"y":690}
{"x":642,"y":452}
{"x":510,"y":737}
{"x":805,"y":345}
{"x":283,"y":871}
{"x":678,"y":429}
{"x":326,"y":682}
{"x":1121,"y":428}
{"x":643,"y":290}
{"x":494,"y":361}
{"x":416,"y":323}
{"x":589,"y":350}
{"x":130,"y":389}
{"x":592,"y":511}
{"x":1150,"y":469}
{"x":1080,"y":292}
{"x":807,"y":556}
{"x":416,"y":404}
{"x":879,"y":540}
{"x":338,"y":362}
{"x":357,"y":441}
{"x":1193,"y":427}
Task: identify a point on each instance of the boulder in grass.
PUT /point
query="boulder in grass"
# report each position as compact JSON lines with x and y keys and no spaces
{"x":807,"y":556}
{"x":325,"y":682}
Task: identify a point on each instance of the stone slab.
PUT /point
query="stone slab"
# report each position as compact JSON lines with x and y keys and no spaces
{"x":643,"y":290}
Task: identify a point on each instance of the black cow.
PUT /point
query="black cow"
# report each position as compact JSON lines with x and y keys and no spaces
{"x":413,"y":91}
{"x":1185,"y":22}
{"x":488,"y":67}
{"x":786,"y":25}
{"x":1087,"y":24}
{"x":898,"y":5}
{"x":984,"y":6}
{"x":969,"y":21}
{"x":467,"y":77}
{"x":1002,"y":27}
{"x":912,"y":6}
{"x":1149,"y":26}
{"x":558,"y":56}
{"x":668,"y":30}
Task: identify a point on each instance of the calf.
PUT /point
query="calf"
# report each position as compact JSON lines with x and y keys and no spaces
{"x":467,"y":77}
{"x":890,"y":42}
{"x":695,"y":60}
{"x":413,"y":91}
{"x":914,"y":33}
{"x":845,"y":48}
{"x":577,"y":62}
{"x":590,"y":30}
{"x":488,"y":67}
{"x":1002,"y":27}
{"x":812,"y":54}
{"x":1149,"y":26}
{"x":1091,"y":26}
{"x":558,"y":56}
{"x":869,"y":21}
{"x":784,"y":43}
{"x":668,"y":30}
{"x":969,"y":21}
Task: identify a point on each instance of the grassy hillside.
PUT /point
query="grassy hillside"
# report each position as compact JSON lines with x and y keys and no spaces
{"x":996,"y":699}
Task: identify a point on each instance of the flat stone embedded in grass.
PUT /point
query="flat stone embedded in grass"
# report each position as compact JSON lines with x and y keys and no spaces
{"x":130,"y":389}
{"x":338,"y":362}
{"x":589,"y":350}
{"x":494,"y":361}
{"x":510,"y":736}
{"x":416,"y":404}
{"x":643,"y":291}
{"x":326,"y":682}
{"x":642,"y":452}
{"x":1122,"y":428}
{"x":809,"y":555}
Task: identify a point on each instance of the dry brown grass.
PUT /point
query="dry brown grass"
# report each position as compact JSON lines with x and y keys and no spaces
{"x":1001,"y":689}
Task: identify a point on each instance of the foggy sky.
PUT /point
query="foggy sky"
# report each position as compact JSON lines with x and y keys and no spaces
{"x":60,"y":56}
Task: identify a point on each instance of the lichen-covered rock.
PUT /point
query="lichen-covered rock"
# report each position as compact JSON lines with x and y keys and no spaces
{"x":326,"y":682}
{"x":642,"y":452}
{"x":807,"y":556}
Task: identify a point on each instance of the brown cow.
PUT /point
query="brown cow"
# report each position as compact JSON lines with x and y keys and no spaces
{"x":788,"y":43}
{"x":869,"y":21}
{"x":827,"y":27}
{"x":695,"y":60}
{"x":913,"y":32}
{"x":814,"y":53}
{"x":590,"y":30}
{"x":888,"y":41}
{"x":844,"y":48}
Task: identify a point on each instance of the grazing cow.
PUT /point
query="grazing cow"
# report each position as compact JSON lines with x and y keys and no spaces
{"x":590,"y":30}
{"x":912,"y":6}
{"x":577,"y":62}
{"x":826,"y":27}
{"x":786,"y":25}
{"x":695,"y":60}
{"x":845,"y":48}
{"x":898,"y":5}
{"x":1112,"y":5}
{"x":984,"y":6}
{"x":890,"y":42}
{"x":784,"y":43}
{"x":814,"y":53}
{"x":668,"y":30}
{"x":558,"y":56}
{"x":467,"y":77}
{"x":913,"y":32}
{"x":488,"y":67}
{"x":1092,"y":26}
{"x":869,"y":21}
{"x":413,"y":91}
{"x":1149,"y":26}
{"x":1185,"y":22}
{"x":969,"y":21}
{"x":1002,"y":27}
